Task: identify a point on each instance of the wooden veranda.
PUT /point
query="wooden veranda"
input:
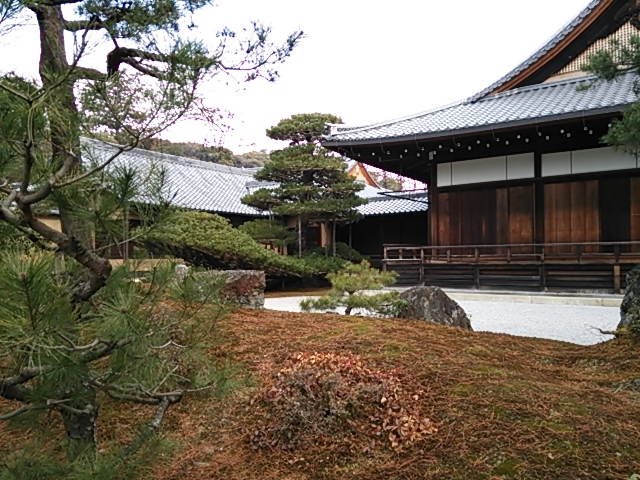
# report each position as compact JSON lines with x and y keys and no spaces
{"x":586,"y":266}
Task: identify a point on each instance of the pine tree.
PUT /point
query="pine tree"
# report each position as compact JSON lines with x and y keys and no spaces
{"x":608,"y":65}
{"x":73,"y":328}
{"x":351,"y":287}
{"x":312,"y":183}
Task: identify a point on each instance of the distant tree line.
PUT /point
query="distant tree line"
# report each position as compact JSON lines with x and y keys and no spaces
{"x":197,"y":151}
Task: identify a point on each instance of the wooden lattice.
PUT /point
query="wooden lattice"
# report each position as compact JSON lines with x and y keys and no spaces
{"x":622,"y":35}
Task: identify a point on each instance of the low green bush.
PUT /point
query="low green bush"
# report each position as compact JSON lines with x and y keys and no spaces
{"x":210,"y":240}
{"x":349,"y":287}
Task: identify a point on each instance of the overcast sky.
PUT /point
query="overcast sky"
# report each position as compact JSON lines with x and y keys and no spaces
{"x":363,"y":60}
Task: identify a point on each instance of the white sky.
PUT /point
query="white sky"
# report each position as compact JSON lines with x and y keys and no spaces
{"x":364,"y":60}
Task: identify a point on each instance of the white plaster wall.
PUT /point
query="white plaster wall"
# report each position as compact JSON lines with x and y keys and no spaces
{"x":444,"y":175}
{"x":601,"y":159}
{"x":556,"y":164}
{"x":480,"y":171}
{"x":520,"y":166}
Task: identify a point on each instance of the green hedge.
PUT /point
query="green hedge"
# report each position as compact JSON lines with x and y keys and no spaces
{"x":209,"y":240}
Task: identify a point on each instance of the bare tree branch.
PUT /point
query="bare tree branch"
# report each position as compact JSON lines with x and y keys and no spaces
{"x":96,"y":169}
{"x":152,"y":72}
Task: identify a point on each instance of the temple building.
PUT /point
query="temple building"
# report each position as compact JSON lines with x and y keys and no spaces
{"x":522,"y":193}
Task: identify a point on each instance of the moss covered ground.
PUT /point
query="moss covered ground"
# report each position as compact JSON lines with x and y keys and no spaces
{"x":504,"y":407}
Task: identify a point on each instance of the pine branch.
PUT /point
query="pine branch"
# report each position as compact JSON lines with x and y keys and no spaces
{"x":107,"y":349}
{"x":22,"y":409}
{"x":24,"y":376}
{"x":99,"y":267}
{"x":149,"y":430}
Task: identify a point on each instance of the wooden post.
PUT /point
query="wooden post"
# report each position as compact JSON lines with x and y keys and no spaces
{"x":385,"y":256}
{"x":538,"y":213}
{"x":476,"y":276}
{"x":543,"y":278}
{"x":616,"y":280}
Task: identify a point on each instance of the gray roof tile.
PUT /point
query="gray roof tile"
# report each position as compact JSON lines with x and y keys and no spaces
{"x":541,"y":102}
{"x":192,"y":184}
{"x":211,"y":187}
{"x":384,"y":202}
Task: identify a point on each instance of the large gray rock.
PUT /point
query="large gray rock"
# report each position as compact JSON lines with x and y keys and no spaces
{"x":244,"y":288}
{"x":630,"y":306}
{"x":431,"y":304}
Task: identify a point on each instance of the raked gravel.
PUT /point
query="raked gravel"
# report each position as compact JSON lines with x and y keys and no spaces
{"x":572,"y":323}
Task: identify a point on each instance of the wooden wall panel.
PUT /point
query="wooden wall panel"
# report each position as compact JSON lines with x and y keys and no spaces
{"x":502,"y":218}
{"x":615,"y":208}
{"x":490,"y":223}
{"x":563,"y":214}
{"x":454,"y":216}
{"x":577,"y":230}
{"x":521,"y":215}
{"x":486,"y":216}
{"x":443,"y":220}
{"x":635,"y":212}
{"x":592,"y":214}
{"x":571,"y":214}
{"x":549,"y":214}
{"x":468,"y":225}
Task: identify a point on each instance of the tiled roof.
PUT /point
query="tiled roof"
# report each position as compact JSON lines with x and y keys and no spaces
{"x":385,"y":202}
{"x":521,"y":106}
{"x":546,"y":48}
{"x":390,"y":206}
{"x":192,"y":184}
{"x":218,"y":188}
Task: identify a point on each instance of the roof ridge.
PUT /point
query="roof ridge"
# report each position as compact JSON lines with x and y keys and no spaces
{"x":556,"y":38}
{"x":177,"y":159}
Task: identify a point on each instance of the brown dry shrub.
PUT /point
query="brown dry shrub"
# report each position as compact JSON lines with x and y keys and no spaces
{"x":336,"y":396}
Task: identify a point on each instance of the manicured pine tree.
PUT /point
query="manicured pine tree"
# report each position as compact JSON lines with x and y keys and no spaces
{"x":312,"y":183}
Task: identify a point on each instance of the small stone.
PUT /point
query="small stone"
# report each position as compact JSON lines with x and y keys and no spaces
{"x":181,"y":272}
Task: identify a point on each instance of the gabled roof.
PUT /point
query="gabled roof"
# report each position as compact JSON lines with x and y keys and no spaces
{"x":535,"y":104}
{"x":571,"y":29}
{"x":192,"y":184}
{"x":359,"y":172}
{"x":520,"y":97}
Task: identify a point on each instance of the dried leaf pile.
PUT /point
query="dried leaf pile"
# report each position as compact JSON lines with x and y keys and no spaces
{"x":336,"y":396}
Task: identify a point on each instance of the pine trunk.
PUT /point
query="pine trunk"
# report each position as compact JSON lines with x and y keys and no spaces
{"x":64,"y":131}
{"x":80,"y":418}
